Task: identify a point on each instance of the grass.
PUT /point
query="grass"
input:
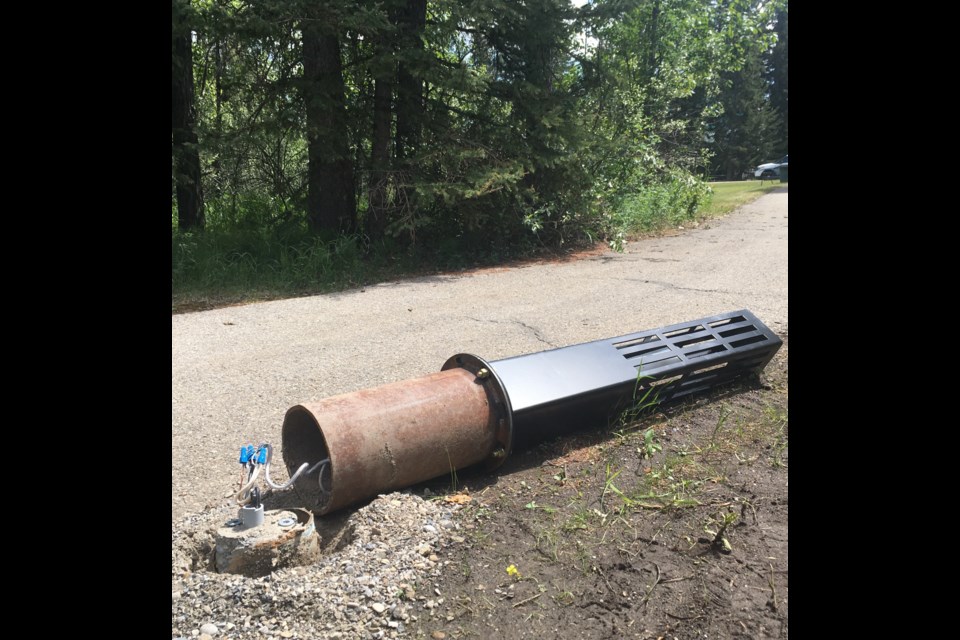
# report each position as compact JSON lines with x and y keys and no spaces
{"x":218,"y":268}
{"x":223,"y":267}
{"x":727,"y":196}
{"x":681,"y":203}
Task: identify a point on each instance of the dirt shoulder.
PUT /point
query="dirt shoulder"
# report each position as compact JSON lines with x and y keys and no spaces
{"x":672,"y":527}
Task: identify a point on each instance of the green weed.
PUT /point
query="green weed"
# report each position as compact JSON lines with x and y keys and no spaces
{"x":545,"y":508}
{"x":660,"y":203}
{"x":649,"y":446}
{"x":721,"y":521}
{"x":778,"y":420}
{"x":724,"y":414}
{"x":578,"y":521}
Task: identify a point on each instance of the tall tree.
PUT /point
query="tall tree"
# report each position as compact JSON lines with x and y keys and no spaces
{"x":186,"y":152}
{"x":331,"y":200}
{"x":413,"y":16}
{"x":778,"y":75}
{"x":747,"y":130}
{"x":457,"y":122}
{"x":383,"y":68}
{"x":379,"y":180}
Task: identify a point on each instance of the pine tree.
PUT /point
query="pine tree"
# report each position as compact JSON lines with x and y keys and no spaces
{"x":777,"y":78}
{"x":331,"y":203}
{"x":747,"y":131}
{"x":186,"y":153}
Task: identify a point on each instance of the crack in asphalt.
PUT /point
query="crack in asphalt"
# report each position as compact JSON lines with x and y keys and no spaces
{"x":536,"y":332}
{"x":670,"y":285}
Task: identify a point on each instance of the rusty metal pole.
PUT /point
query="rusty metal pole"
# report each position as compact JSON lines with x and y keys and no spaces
{"x":390,"y":437}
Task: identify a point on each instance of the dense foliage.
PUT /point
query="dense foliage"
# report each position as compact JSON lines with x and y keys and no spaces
{"x":440,"y":125}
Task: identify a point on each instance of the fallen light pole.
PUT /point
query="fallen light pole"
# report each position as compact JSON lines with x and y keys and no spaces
{"x":356,"y":445}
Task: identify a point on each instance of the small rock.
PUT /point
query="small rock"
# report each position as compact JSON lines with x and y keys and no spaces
{"x":286,"y":634}
{"x":176,"y":595}
{"x":457,"y":538}
{"x":230,"y":626}
{"x":433,"y":557}
{"x":209,"y":629}
{"x":206,"y":636}
{"x":353,"y":605}
{"x":392,"y":624}
{"x":369,"y":546}
{"x":430,"y":604}
{"x":424,"y":549}
{"x":438,"y":635}
{"x":429,"y":528}
{"x":379,"y":607}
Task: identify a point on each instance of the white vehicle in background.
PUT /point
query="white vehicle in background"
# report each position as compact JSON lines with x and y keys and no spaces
{"x":770,"y":170}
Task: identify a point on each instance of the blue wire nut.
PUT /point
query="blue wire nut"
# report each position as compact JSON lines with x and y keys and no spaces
{"x":246,"y":453}
{"x":262,"y":455}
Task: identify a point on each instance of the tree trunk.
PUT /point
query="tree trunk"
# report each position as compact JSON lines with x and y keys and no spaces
{"x":413,"y":19}
{"x":331,"y":201}
{"x":186,"y":154}
{"x":380,"y":145}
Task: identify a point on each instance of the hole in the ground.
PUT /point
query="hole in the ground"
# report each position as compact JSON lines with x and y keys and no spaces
{"x":289,"y":537}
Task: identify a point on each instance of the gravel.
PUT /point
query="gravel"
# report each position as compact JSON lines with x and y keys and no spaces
{"x":365,"y":589}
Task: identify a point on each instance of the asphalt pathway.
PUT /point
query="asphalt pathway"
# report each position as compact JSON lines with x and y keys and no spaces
{"x":237,"y":370}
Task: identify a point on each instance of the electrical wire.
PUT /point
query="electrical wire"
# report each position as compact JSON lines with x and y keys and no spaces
{"x":243,"y":496}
